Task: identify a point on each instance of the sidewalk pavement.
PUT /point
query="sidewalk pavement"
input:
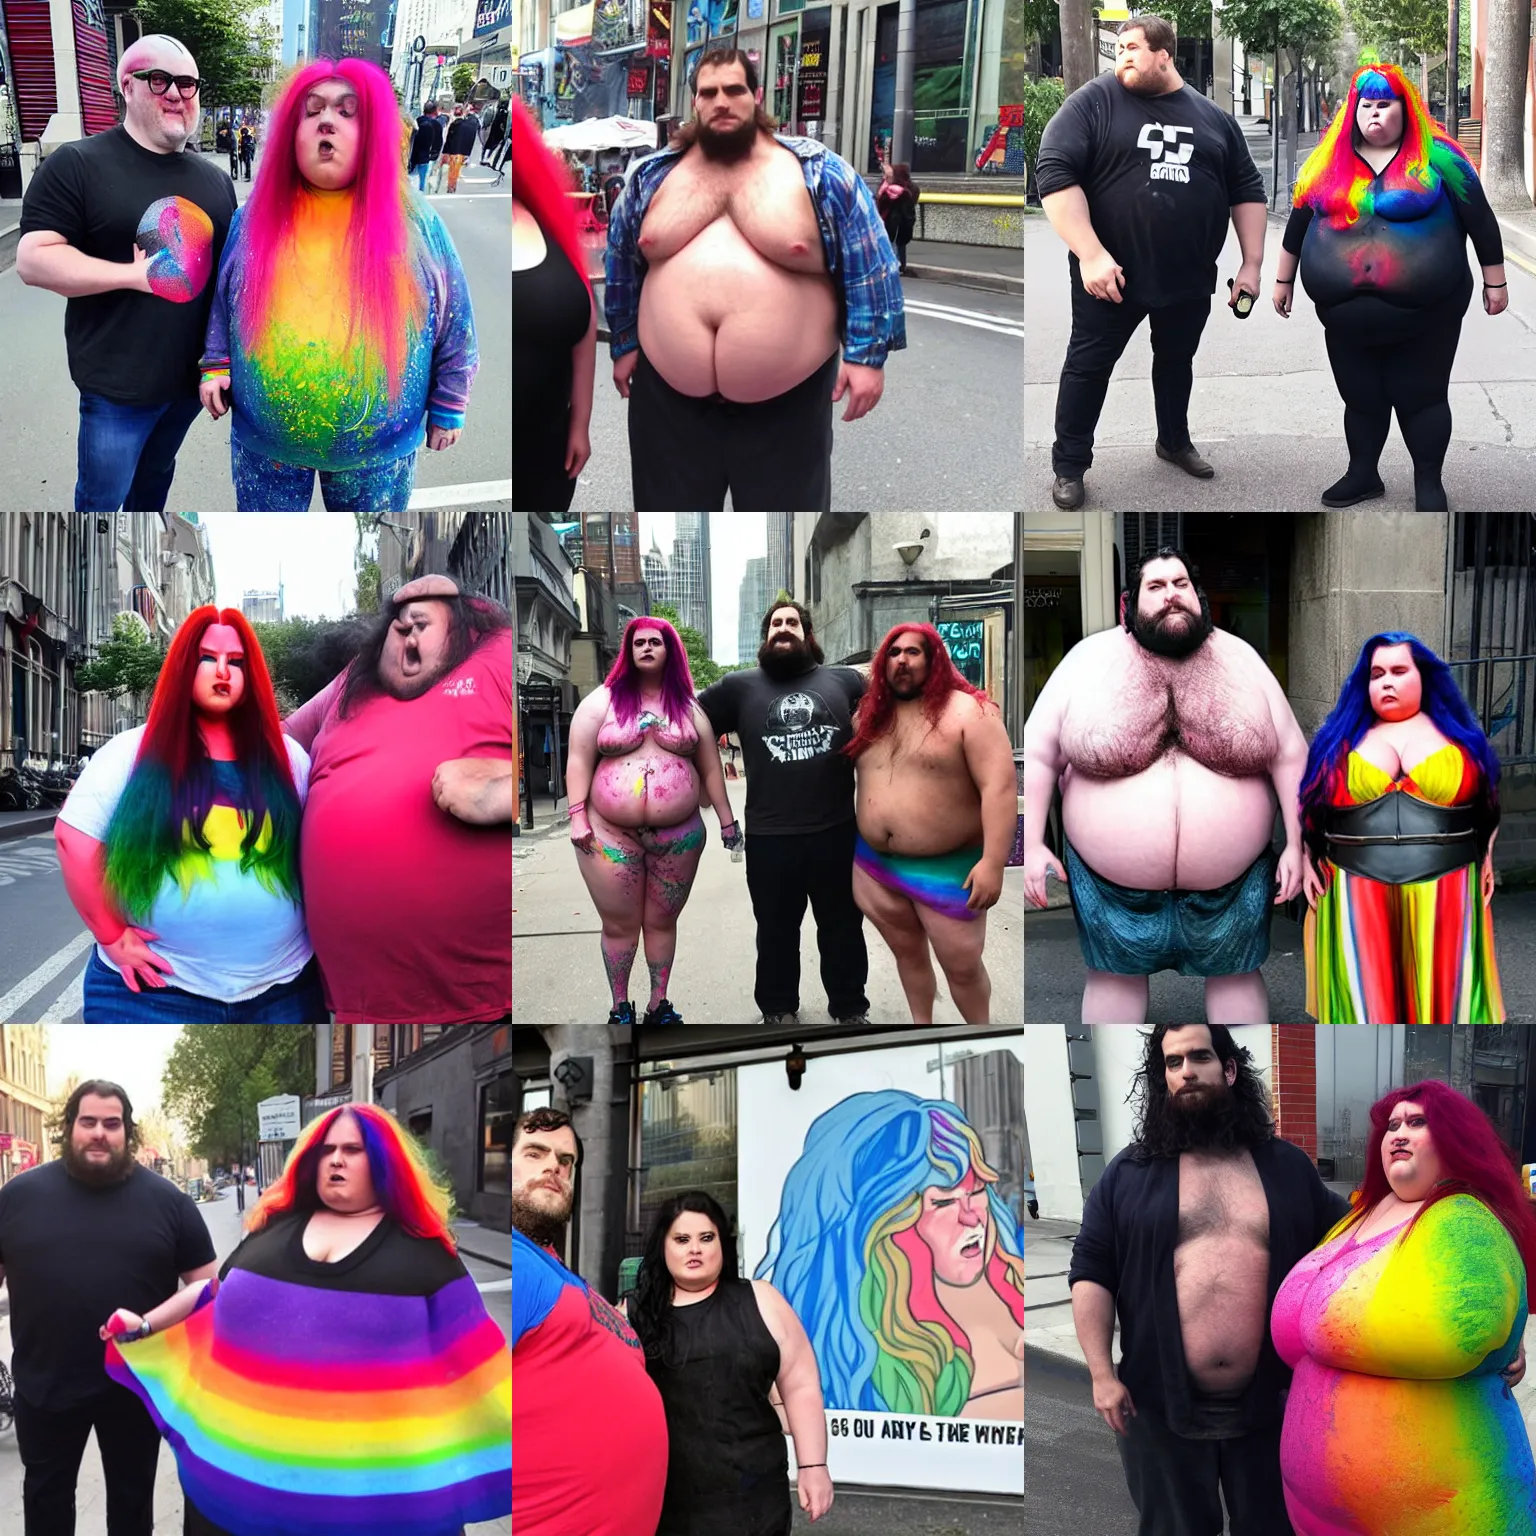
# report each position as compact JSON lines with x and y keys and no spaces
{"x":1048,"y":1305}
{"x":14,"y":824}
{"x":484,"y":1243}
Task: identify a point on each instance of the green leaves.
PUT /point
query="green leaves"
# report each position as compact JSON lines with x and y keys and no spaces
{"x":218,"y":1073}
{"x":129,"y":662}
{"x":234,"y":50}
{"x":1307,"y":27}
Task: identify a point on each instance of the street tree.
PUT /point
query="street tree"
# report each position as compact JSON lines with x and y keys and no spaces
{"x":218,"y":1073}
{"x":129,"y":663}
{"x":462,"y":81}
{"x":705,"y":670}
{"x":1507,"y":63}
{"x":53,"y":1121}
{"x":1079,"y":44}
{"x":231,"y":41}
{"x":303,"y":655}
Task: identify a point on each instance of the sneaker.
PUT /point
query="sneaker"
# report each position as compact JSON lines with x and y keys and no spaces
{"x":860,"y":1019}
{"x":662,"y":1013}
{"x":624,"y":1015}
{"x":1067,"y":492}
{"x":781,"y":1018}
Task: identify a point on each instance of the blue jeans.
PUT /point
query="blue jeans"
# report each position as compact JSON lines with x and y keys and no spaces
{"x":127,"y":453}
{"x":267,"y":485}
{"x":420,"y":173}
{"x":109,"y":1001}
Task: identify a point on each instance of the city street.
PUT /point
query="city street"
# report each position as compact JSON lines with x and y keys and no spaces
{"x":1265,"y":410}
{"x":223,"y":1222}
{"x":943,"y":434}
{"x":557,"y":971}
{"x":46,"y":945}
{"x":40,"y":406}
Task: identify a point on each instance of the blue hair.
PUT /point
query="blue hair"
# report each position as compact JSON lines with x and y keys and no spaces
{"x":1374,"y":86}
{"x":867,"y":1155}
{"x":1353,"y":716}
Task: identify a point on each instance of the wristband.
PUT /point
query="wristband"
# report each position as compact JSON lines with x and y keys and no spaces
{"x":805,"y":1466}
{"x":577,"y":809}
{"x":1288,"y":281}
{"x":214,"y":373}
{"x":1495,"y":285}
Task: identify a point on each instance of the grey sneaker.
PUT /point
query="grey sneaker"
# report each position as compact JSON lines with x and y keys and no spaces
{"x":860,"y":1019}
{"x":781,"y":1018}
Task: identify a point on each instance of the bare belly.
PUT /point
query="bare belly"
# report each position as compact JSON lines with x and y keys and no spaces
{"x":916,"y":816}
{"x":648,"y":787}
{"x":1222,"y":1286}
{"x":1177,"y":826}
{"x":719,"y":317}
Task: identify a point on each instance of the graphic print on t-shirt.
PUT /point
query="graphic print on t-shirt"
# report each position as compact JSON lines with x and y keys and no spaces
{"x":799,"y":726}
{"x":178,"y":237}
{"x":1170,"y":158}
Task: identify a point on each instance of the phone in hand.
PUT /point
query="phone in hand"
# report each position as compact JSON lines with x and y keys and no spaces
{"x":1243,"y":307}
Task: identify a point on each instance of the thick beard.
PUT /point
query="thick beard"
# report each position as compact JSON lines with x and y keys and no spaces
{"x":537,"y":1224}
{"x":1151,"y":637}
{"x":730,"y":147}
{"x":1155,"y":85}
{"x":782,"y":662}
{"x":1205,"y":1121}
{"x":100,"y":1175}
{"x":914,"y":689}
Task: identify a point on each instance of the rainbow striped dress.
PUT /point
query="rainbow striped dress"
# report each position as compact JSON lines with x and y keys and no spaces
{"x":1404,"y":954}
{"x":369,"y":1397}
{"x":1398,"y":1421}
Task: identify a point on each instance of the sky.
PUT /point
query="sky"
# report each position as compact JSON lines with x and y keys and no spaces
{"x":734,"y":538}
{"x":132,"y":1055}
{"x":312,"y":551}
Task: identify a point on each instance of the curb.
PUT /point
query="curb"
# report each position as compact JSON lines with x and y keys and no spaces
{"x":485,"y":1258}
{"x":1520,"y":238}
{"x":40,"y":821}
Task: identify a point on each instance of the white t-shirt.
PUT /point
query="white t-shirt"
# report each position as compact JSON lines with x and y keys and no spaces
{"x":229,"y":938}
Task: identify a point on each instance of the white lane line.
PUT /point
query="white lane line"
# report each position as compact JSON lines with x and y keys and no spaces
{"x":487,"y":1286}
{"x":70,"y":1003}
{"x":29,"y":986}
{"x":929,"y":307}
{"x":961,"y":319}
{"x":455,"y":495}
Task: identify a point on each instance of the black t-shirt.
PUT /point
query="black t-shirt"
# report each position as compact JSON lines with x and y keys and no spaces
{"x":103,"y":194}
{"x":388,"y":1262}
{"x":73,"y":1253}
{"x":1160,"y":173}
{"x":792,"y":736}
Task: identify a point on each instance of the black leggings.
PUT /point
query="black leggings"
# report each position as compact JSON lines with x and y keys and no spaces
{"x":1411,"y":375}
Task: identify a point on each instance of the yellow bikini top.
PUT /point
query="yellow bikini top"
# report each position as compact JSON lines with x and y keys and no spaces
{"x":1438,"y":778}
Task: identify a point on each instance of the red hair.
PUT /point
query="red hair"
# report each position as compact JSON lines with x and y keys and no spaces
{"x":877,"y":709}
{"x":1476,"y":1162}
{"x":539,"y":183}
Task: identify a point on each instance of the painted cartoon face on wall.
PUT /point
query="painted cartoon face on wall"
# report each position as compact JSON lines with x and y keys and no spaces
{"x":218,"y":685}
{"x":954,"y":1224}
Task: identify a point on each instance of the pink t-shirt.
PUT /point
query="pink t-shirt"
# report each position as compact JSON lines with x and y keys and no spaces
{"x":409,"y":909}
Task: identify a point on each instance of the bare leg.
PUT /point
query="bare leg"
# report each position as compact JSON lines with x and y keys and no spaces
{"x":1240,"y":999}
{"x":1112,"y":999}
{"x":895,"y":919}
{"x":958,"y":945}
{"x":615,"y":876}
{"x":671,"y":862}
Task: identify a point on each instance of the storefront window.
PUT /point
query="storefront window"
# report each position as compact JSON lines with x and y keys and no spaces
{"x":784,"y":56}
{"x":687,"y":1141}
{"x":498,"y":1114}
{"x":1053,"y":614}
{"x":998,"y":143}
{"x":939,"y":87}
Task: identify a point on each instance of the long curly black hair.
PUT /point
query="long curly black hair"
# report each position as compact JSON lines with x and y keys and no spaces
{"x":1162,"y":1132}
{"x":650,"y":1307}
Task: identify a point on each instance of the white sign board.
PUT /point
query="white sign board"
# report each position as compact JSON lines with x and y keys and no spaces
{"x":279,"y":1117}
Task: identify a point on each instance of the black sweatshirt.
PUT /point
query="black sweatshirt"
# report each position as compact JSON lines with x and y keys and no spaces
{"x":1161,"y":175}
{"x":1129,"y":1232}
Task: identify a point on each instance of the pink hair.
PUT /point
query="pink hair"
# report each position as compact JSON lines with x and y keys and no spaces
{"x":623,"y":680}
{"x":379,"y":239}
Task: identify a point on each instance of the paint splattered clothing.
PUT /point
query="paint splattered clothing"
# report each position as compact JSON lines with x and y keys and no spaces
{"x":306,"y":393}
{"x":226,"y":935}
{"x":264,"y":485}
{"x":103,"y":194}
{"x":1421,"y":953}
{"x":369,"y":1395}
{"x":1398,"y":1421}
{"x":575,"y":1357}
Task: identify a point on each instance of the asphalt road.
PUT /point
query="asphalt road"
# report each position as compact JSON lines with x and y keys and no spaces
{"x":39,"y":406}
{"x":1073,"y":1480}
{"x":1265,"y":410}
{"x":46,"y":945}
{"x":945,"y":433}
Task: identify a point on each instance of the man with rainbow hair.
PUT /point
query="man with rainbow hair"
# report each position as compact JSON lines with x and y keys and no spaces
{"x":341,"y":331}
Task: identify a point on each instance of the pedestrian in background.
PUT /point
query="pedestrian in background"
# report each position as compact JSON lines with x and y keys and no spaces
{"x":498,"y":140}
{"x":724,"y":1353}
{"x":342,"y":1363}
{"x":426,"y":144}
{"x":79,"y":1236}
{"x":463,"y":135}
{"x":247,"y":150}
{"x":440,"y":164}
{"x":224,"y":143}
{"x":489,"y":112}
{"x":897,"y":201}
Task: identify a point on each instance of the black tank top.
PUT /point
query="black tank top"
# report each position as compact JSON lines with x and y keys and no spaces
{"x":727,"y":1464}
{"x":550,"y":314}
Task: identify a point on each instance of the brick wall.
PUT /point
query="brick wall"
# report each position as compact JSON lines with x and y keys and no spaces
{"x":1293,"y":1083}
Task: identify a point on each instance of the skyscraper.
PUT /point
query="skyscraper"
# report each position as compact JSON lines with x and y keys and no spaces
{"x":781,"y":554}
{"x":689,"y":585}
{"x":754,"y":597}
{"x":653,"y":566}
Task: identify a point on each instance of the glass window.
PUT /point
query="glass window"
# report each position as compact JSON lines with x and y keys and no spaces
{"x":939,"y":86}
{"x":687,"y":1141}
{"x":498,"y":1113}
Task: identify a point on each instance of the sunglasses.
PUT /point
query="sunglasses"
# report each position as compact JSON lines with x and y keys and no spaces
{"x":160,"y":82}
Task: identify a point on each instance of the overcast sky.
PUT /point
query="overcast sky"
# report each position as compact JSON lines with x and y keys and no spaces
{"x":734,"y":538}
{"x":312,"y":552}
{"x":132,"y":1055}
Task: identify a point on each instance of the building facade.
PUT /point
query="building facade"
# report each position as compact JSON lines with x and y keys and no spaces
{"x":24,"y":1101}
{"x":474,"y":548}
{"x":547,"y":622}
{"x":752,"y":602}
{"x":263,"y":607}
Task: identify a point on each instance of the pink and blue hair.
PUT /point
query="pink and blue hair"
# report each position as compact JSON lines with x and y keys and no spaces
{"x":1340,"y":187}
{"x":384,"y":304}
{"x":623,"y":680}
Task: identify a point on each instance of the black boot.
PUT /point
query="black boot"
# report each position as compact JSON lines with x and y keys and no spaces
{"x":1428,"y":492}
{"x":622,"y":1015}
{"x":662,"y":1013}
{"x":1354,"y":487}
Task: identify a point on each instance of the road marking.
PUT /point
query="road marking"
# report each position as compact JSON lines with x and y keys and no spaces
{"x":456,"y":495}
{"x":492,"y":1285}
{"x":70,"y":1003}
{"x":29,"y":986}
{"x":20,"y":860}
{"x":973,"y":318}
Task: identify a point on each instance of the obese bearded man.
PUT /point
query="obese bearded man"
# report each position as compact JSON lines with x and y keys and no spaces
{"x":750,"y":285}
{"x":1172,"y":742}
{"x":1187,"y":1235}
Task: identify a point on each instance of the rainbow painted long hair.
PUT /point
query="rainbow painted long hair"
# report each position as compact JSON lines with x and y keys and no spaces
{"x":386,"y":301}
{"x":1338,"y":185}
{"x":412,"y":1194}
{"x":157,"y":827}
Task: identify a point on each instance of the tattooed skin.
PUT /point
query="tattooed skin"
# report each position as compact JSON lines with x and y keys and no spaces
{"x":619,"y":963}
{"x":660,"y":970}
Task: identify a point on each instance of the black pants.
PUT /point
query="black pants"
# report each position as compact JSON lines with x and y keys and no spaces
{"x":52,"y":1445}
{"x":1410,"y":373}
{"x":1100,"y":331}
{"x":784,"y":871}
{"x":686,"y":451}
{"x":1174,"y":1482}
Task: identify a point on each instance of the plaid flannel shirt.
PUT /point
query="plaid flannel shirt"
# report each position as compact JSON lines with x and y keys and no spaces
{"x":860,"y":261}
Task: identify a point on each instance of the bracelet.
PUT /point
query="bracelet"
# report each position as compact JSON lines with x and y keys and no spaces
{"x":575,"y":810}
{"x":805,"y":1466}
{"x":1495,"y":285}
{"x":1288,"y":281}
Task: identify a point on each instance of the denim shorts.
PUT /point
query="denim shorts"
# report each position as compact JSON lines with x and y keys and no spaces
{"x":108,"y":1000}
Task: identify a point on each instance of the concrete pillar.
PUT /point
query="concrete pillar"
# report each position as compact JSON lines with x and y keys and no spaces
{"x":601,"y":1124}
{"x":66,"y":124}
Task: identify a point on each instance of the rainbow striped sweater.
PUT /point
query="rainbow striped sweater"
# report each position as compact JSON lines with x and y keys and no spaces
{"x":369,"y":1397}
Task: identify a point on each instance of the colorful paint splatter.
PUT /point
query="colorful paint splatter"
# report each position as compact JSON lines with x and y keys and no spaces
{"x":1398,"y":1420}
{"x":178,"y":236}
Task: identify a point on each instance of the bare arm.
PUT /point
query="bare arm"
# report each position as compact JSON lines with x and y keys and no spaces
{"x":1043,"y":759}
{"x":1093,"y":1315}
{"x":989,"y":757}
{"x":1290,"y":764}
{"x":177,"y":1308}
{"x":45,"y":259}
{"x":1068,"y":212}
{"x":83,"y":864}
{"x":1251,"y":221}
{"x":581,"y":752}
{"x":798,"y":1381}
{"x":711,"y":775}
